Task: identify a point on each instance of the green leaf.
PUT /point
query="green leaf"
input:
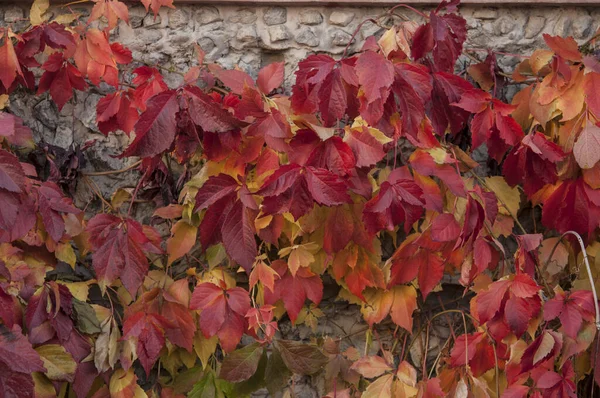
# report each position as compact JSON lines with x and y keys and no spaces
{"x":301,"y":358}
{"x":257,"y":381}
{"x":87,"y":322}
{"x":277,"y":374}
{"x":205,"y":387}
{"x":241,"y":364}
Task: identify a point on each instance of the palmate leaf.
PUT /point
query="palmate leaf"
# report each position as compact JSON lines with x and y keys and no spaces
{"x":118,"y":247}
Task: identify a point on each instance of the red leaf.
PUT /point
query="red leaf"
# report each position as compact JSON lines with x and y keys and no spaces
{"x":13,"y":130}
{"x":182,"y":326}
{"x":565,"y":47}
{"x":214,"y":189}
{"x":294,"y":290}
{"x":367,"y":150}
{"x":533,"y":163}
{"x":155,"y":130}
{"x":398,"y":200}
{"x":12,"y":177}
{"x":118,"y":248}
{"x":572,"y":206}
{"x":51,"y":204}
{"x":237,"y":232}
{"x":425,"y":165}
{"x":374,"y":72}
{"x":332,"y":98}
{"x":334,"y":155}
{"x":223,"y":312}
{"x":445,"y":228}
{"x":148,"y":329}
{"x":209,"y":115}
{"x":431,"y":270}
{"x":270,"y":77}
{"x":447,"y":89}
{"x":477,"y":349}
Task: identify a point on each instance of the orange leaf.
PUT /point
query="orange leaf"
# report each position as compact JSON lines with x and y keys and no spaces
{"x":183,"y":237}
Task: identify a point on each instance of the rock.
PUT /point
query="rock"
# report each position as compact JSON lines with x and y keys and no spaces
{"x":308,"y":37}
{"x":245,"y":16}
{"x":206,"y":44}
{"x":275,"y":16}
{"x":152,"y":21}
{"x":178,"y":18}
{"x":534,"y":26}
{"x":47,"y":113}
{"x":341,"y":18}
{"x":13,"y":14}
{"x":136,"y":16}
{"x":485,"y":13}
{"x":562,"y":27}
{"x":278,"y":33}
{"x":207,"y":15}
{"x":504,"y":25}
{"x":582,"y":26}
{"x":310,"y":17}
{"x":340,"y":38}
{"x":247,"y":33}
{"x":148,"y":36}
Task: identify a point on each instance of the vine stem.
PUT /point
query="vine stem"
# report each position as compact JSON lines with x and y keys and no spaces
{"x":355,"y":33}
{"x":587,"y":267}
{"x":108,"y":172}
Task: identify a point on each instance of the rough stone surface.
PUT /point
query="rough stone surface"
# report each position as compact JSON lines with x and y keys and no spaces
{"x":250,"y":37}
{"x":307,"y":36}
{"x":310,"y":17}
{"x":275,"y":16}
{"x":278,"y":33}
{"x":341,"y":18}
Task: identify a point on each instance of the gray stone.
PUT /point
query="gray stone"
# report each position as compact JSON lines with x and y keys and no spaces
{"x":275,"y":16}
{"x":207,"y":15}
{"x":341,"y":18}
{"x":245,"y":16}
{"x":485,"y":13}
{"x":206,"y":44}
{"x":534,"y":26}
{"x":47,"y":113}
{"x":582,"y":26}
{"x":504,"y":25}
{"x":178,"y":18}
{"x":310,"y":17}
{"x":307,"y":36}
{"x":149,"y":36}
{"x":136,"y":16}
{"x":278,"y":33}
{"x":152,"y":21}
{"x":13,"y":14}
{"x":247,"y":33}
{"x":562,"y":27}
{"x":340,"y":38}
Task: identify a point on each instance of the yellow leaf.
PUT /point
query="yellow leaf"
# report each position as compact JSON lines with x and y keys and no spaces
{"x":299,"y":256}
{"x":204,"y":347}
{"x":3,"y":101}
{"x":120,"y":196}
{"x":380,"y":388}
{"x":66,"y":19}
{"x":124,"y":385}
{"x":387,"y":42}
{"x":507,"y":196}
{"x":79,"y":290}
{"x":183,"y":238}
{"x":59,"y":364}
{"x":38,"y":11}
{"x":65,"y":253}
{"x":107,"y":345}
{"x":439,"y":155}
{"x":43,"y":388}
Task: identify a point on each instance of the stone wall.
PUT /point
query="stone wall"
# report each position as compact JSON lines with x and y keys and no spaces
{"x":250,"y":37}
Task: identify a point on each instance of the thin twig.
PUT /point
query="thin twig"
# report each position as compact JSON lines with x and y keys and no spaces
{"x":108,"y":172}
